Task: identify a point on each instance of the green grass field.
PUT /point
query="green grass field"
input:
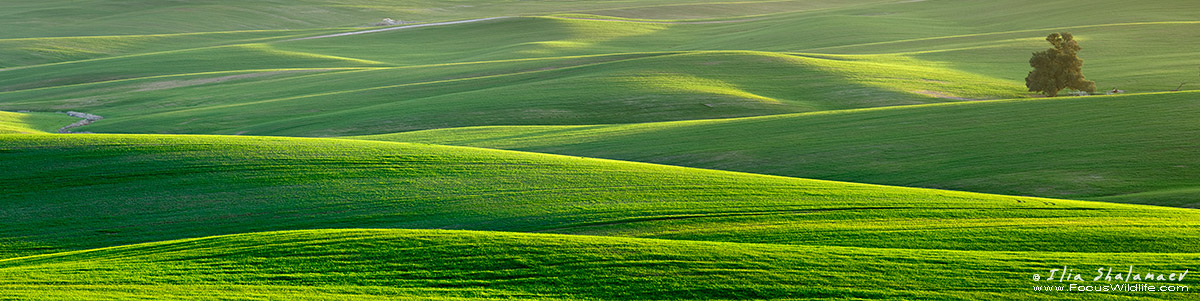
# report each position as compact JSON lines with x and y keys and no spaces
{"x":473,"y":153}
{"x":623,"y":88}
{"x":1135,"y":148}
{"x":92,"y":191}
{"x":56,"y":18}
{"x":143,"y":188}
{"x":853,"y":55}
{"x":445,"y":264}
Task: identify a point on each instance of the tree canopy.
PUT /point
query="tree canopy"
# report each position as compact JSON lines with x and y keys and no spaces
{"x":1057,"y":68}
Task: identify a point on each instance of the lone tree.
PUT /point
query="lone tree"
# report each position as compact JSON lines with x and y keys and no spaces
{"x":1058,"y":67}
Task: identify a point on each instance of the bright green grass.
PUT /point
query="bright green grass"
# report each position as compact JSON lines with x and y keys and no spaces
{"x":640,"y":87}
{"x":65,"y":192}
{"x":15,"y":123}
{"x":33,"y":123}
{"x":1135,"y":148}
{"x":341,"y":264}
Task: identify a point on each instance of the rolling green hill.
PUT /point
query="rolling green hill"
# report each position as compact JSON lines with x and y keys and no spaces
{"x":1134,"y":148}
{"x":749,"y":102}
{"x":575,"y":69}
{"x":105,"y":17}
{"x":639,"y":87}
{"x":68,"y":192}
{"x":374,"y":264}
{"x":50,"y":50}
{"x":769,"y":237}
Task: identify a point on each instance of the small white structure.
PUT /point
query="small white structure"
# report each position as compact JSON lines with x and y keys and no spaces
{"x":389,"y":22}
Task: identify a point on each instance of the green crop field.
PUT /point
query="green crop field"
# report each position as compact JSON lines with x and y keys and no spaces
{"x":453,"y":264}
{"x":568,"y":69}
{"x":76,"y":193}
{"x":1135,"y":148}
{"x":595,"y":150}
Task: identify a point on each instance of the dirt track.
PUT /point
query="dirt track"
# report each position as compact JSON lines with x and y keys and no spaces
{"x":87,"y":119}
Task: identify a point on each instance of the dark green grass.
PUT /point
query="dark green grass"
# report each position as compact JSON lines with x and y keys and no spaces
{"x":343,"y":264}
{"x":1136,"y":148}
{"x":67,"y":192}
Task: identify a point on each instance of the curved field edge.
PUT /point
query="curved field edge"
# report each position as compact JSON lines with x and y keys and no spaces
{"x":69,"y":192}
{"x":1128,"y":148}
{"x":470,"y":264}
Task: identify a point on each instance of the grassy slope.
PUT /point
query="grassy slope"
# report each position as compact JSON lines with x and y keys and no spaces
{"x":93,"y":17}
{"x":50,"y":31}
{"x":638,"y":87}
{"x":208,"y":59}
{"x":690,"y":86}
{"x":909,"y":49}
{"x":1135,"y":148}
{"x":86,"y":191}
{"x":33,"y":123}
{"x":974,"y":37}
{"x":355,"y":264}
{"x":15,"y":123}
{"x":1136,"y":46}
{"x":55,"y":31}
{"x":39,"y":51}
{"x":77,"y":192}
